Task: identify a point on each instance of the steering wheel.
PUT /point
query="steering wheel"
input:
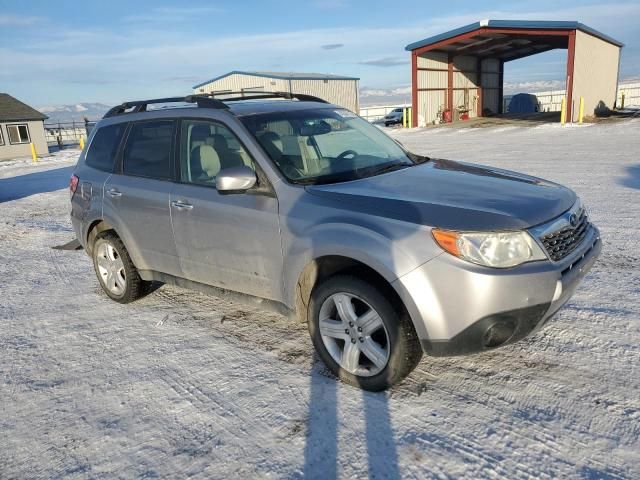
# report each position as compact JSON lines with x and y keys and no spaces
{"x":347,"y":153}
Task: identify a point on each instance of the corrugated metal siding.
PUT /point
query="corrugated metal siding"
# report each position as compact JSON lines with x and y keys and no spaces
{"x":464,"y":62}
{"x":430,"y":102}
{"x":432,"y":79}
{"x":595,"y":73}
{"x":428,"y":105}
{"x":490,"y":79}
{"x":340,"y":92}
{"x":237,"y":83}
{"x":433,"y":60}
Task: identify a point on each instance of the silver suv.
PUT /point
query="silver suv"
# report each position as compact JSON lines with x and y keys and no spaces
{"x":307,"y":209}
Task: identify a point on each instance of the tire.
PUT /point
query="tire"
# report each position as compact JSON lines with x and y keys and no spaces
{"x":394,"y":336}
{"x":113,"y":266}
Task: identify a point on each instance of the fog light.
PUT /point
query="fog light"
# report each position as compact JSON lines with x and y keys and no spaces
{"x":558,"y":292}
{"x":498,"y":333}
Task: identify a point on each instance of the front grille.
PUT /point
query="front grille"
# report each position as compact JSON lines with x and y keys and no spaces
{"x":562,"y":242}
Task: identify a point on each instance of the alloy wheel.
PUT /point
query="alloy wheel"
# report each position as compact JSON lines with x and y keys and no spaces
{"x":354,"y":334}
{"x":111,"y":268}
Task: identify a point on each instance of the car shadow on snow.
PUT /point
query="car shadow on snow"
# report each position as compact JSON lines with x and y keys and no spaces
{"x":632,"y":180}
{"x":15,"y":188}
{"x":321,"y":455}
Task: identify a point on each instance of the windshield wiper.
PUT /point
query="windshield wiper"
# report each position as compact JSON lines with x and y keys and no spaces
{"x":418,"y":159}
{"x":386,"y":169}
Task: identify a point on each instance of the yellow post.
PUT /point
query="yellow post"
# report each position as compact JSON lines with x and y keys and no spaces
{"x":622,"y":102}
{"x":581,"y":114}
{"x":563,"y":112}
{"x":410,"y":115}
{"x":404,"y":118}
{"x":81,"y":143}
{"x":34,"y":155}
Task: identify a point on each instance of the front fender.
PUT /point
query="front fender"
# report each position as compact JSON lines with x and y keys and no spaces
{"x":386,"y":254}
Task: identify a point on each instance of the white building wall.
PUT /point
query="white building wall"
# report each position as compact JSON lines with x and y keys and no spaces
{"x":238,"y":82}
{"x":631,"y":91}
{"x":36,"y":134}
{"x":340,"y":92}
{"x":595,"y":73}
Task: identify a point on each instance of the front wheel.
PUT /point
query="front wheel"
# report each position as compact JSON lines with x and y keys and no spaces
{"x":359,"y":334}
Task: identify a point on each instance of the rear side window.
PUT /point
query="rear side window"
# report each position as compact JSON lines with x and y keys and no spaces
{"x":104,"y":147}
{"x":147,"y":152}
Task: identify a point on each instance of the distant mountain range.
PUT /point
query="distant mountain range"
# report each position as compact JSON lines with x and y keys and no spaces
{"x":74,"y":113}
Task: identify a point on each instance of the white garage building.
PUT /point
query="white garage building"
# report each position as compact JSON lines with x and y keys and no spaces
{"x":336,"y":89}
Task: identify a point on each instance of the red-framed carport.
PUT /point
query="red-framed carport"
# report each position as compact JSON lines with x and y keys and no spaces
{"x":503,"y":40}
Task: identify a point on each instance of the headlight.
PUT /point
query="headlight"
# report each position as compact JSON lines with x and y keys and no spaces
{"x":491,"y":249}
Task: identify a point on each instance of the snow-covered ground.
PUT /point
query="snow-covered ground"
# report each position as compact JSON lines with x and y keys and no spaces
{"x":181,"y":384}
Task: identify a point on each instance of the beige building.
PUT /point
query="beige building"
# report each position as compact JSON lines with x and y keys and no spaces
{"x":460,"y":74}
{"x":335,"y":89}
{"x":20,"y":125}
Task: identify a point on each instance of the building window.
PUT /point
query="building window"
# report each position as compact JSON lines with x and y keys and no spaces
{"x":18,"y":134}
{"x":1,"y":137}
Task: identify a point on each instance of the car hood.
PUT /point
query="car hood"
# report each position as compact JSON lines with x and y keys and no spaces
{"x":452,"y":195}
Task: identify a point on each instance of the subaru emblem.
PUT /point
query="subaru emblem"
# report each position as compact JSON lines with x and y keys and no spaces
{"x":573,"y":220}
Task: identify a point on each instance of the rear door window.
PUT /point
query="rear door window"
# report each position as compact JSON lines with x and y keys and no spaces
{"x":148,"y":150}
{"x":104,"y":147}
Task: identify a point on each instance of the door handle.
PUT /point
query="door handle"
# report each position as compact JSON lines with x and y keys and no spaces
{"x":181,"y":205}
{"x":112,"y":192}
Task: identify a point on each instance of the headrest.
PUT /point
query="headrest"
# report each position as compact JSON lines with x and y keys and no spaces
{"x":199,"y":133}
{"x":209,"y":160}
{"x":220,"y":142}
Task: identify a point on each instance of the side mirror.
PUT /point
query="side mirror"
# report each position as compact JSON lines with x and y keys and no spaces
{"x":235,"y":179}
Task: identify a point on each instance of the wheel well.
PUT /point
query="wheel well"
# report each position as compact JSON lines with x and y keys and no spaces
{"x":96,"y":228}
{"x":318,"y":270}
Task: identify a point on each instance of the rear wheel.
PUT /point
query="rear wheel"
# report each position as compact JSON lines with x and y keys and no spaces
{"x":116,"y":273}
{"x":359,"y":334}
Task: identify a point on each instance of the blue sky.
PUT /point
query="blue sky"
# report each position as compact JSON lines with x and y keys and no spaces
{"x":108,"y":51}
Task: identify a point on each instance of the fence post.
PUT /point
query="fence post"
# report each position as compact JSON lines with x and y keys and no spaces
{"x":622,"y":101}
{"x":563,"y":111}
{"x":34,"y":155}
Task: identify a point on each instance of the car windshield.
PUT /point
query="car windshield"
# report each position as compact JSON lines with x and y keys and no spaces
{"x":326,"y":145}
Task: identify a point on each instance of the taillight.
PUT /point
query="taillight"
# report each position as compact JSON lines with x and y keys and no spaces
{"x":73,"y":184}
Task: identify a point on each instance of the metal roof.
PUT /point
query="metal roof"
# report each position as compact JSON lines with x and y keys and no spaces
{"x":13,"y":110}
{"x":281,"y":76}
{"x":515,"y":24}
{"x":253,"y":107}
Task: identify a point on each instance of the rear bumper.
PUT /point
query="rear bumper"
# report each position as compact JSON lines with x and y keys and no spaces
{"x":459,"y":308}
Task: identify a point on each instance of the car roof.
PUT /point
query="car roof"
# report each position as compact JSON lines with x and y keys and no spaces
{"x":238,"y":108}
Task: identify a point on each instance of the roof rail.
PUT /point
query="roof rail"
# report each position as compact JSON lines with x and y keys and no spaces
{"x":255,"y":95}
{"x":207,"y":100}
{"x":201,"y":101}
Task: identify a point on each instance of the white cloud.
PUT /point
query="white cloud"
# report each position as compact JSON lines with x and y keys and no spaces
{"x":170,"y":14}
{"x":19,"y":20}
{"x":146,"y":58}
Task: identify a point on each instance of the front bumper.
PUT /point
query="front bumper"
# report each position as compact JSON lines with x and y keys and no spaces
{"x":459,"y":308}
